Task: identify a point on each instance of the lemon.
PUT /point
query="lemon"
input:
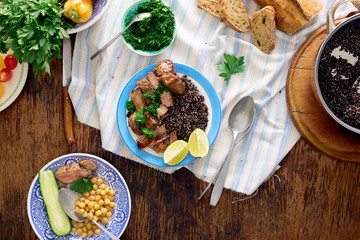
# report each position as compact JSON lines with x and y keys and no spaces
{"x":198,"y":143}
{"x":2,"y":63}
{"x":176,"y":152}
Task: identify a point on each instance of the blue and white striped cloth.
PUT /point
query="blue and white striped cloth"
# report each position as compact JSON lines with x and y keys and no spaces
{"x":201,"y":42}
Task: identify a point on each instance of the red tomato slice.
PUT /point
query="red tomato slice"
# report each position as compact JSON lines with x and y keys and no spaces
{"x":5,"y":75}
{"x":10,"y":62}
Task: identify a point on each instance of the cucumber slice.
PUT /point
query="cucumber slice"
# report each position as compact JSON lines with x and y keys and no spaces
{"x":59,"y":221}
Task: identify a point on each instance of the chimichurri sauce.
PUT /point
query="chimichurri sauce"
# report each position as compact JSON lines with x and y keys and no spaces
{"x":152,"y":33}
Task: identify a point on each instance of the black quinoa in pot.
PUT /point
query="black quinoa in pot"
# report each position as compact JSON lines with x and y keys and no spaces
{"x":188,"y":113}
{"x":337,"y":76}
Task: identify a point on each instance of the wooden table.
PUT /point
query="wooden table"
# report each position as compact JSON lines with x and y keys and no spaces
{"x":318,"y":197}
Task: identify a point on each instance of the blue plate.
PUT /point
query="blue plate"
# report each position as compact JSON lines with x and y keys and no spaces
{"x":205,"y":88}
{"x":121,"y":214}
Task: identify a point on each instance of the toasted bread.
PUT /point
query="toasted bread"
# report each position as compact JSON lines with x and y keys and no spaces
{"x":263,"y":29}
{"x":235,"y":15}
{"x":291,"y":15}
{"x":211,"y":6}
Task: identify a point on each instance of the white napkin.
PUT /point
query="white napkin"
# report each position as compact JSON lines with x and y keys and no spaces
{"x":200,"y":43}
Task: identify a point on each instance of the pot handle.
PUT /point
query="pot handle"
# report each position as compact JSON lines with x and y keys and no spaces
{"x":330,"y":21}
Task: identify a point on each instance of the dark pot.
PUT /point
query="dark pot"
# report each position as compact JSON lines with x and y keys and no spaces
{"x":334,"y":31}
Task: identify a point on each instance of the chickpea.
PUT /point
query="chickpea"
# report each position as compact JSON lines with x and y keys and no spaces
{"x":82,"y":199}
{"x":84,"y":214}
{"x":92,"y":198}
{"x":91,"y":205}
{"x":112,"y":204}
{"x":107,"y":201}
{"x":90,"y":215}
{"x":96,"y":206}
{"x":82,"y":211}
{"x":97,"y":198}
{"x":102,"y":193}
{"x":88,"y":225}
{"x":111,"y":198}
{"x":87,"y":202}
{"x":97,"y":232}
{"x":73,"y":229}
{"x":112,"y":192}
{"x":101,"y":202}
{"x":104,"y":210}
{"x":102,"y":186}
{"x":90,"y":232}
{"x":77,"y":209}
{"x":79,"y":231}
{"x":95,"y":218}
{"x":77,"y":203}
{"x":107,"y":190}
{"x":105,"y":220}
{"x":84,"y":229}
{"x":99,"y":181}
{"x":92,"y":192}
{"x":81,"y":205}
{"x":95,"y":187}
{"x":93,"y":180}
{"x":98,"y":213}
{"x":92,"y":210}
{"x":108,"y":214}
{"x":80,"y":224}
{"x":98,"y":191}
{"x":94,"y":227}
{"x":86,"y":194}
{"x":84,"y":235}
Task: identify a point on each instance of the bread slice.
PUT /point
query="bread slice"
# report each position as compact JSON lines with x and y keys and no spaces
{"x":291,"y":15}
{"x":211,"y":6}
{"x":263,"y":29}
{"x":235,"y":15}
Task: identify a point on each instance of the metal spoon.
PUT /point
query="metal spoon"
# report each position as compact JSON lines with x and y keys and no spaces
{"x":67,"y":200}
{"x":137,"y":18}
{"x":241,"y":120}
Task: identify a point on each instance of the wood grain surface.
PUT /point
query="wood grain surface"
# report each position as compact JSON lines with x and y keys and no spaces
{"x":318,"y":197}
{"x":309,"y":116}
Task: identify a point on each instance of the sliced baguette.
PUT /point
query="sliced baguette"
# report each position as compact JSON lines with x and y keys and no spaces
{"x":291,"y":15}
{"x":211,"y":6}
{"x":235,"y":15}
{"x":263,"y":29}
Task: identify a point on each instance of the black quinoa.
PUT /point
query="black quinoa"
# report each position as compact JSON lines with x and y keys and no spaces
{"x":337,"y":76}
{"x":188,"y":113}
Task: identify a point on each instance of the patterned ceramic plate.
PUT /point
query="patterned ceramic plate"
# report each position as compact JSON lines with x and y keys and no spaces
{"x":121,"y":214}
{"x":99,"y":8}
{"x":205,"y":88}
{"x":13,"y":87}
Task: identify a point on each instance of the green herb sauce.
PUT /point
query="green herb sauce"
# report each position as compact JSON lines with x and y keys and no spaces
{"x":152,"y":33}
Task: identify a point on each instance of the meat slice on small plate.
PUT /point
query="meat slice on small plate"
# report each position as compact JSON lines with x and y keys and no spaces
{"x":69,"y":173}
{"x":165,"y":66}
{"x":162,"y":144}
{"x":88,"y":164}
{"x":167,"y":98}
{"x":145,"y":85}
{"x":174,"y":83}
{"x":151,"y":122}
{"x":153,"y":79}
{"x":159,"y":133}
{"x":137,"y":98}
{"x":133,"y":125}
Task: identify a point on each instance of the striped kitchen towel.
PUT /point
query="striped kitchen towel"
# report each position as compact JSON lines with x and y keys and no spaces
{"x":200,"y":43}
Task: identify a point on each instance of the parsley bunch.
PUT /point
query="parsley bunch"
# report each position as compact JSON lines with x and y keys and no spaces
{"x":231,"y":65}
{"x":33,"y":30}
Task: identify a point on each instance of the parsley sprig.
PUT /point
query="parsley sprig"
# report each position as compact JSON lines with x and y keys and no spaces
{"x":33,"y":30}
{"x":231,"y":65}
{"x":82,"y":185}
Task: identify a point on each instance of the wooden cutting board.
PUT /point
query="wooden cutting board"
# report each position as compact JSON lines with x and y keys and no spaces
{"x":310,"y":118}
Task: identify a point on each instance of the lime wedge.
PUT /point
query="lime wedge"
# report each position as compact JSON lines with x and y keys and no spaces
{"x":176,"y":152}
{"x":198,"y":143}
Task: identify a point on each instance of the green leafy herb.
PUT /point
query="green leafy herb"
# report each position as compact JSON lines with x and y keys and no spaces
{"x":82,"y":185}
{"x":140,"y":118}
{"x":33,"y":30}
{"x":130,"y":106}
{"x":148,"y":132}
{"x":152,"y":33}
{"x":150,"y":96}
{"x":152,"y":109}
{"x":231,"y":65}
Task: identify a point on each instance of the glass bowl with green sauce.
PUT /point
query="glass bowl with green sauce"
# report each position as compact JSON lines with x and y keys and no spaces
{"x":152,"y":35}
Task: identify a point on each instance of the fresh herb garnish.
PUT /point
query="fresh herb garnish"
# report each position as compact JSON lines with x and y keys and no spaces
{"x":152,"y":109}
{"x":33,"y":30}
{"x":130,"y":106}
{"x":148,"y":132}
{"x":140,"y":118}
{"x":82,"y":185}
{"x":231,"y":65}
{"x":152,"y":33}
